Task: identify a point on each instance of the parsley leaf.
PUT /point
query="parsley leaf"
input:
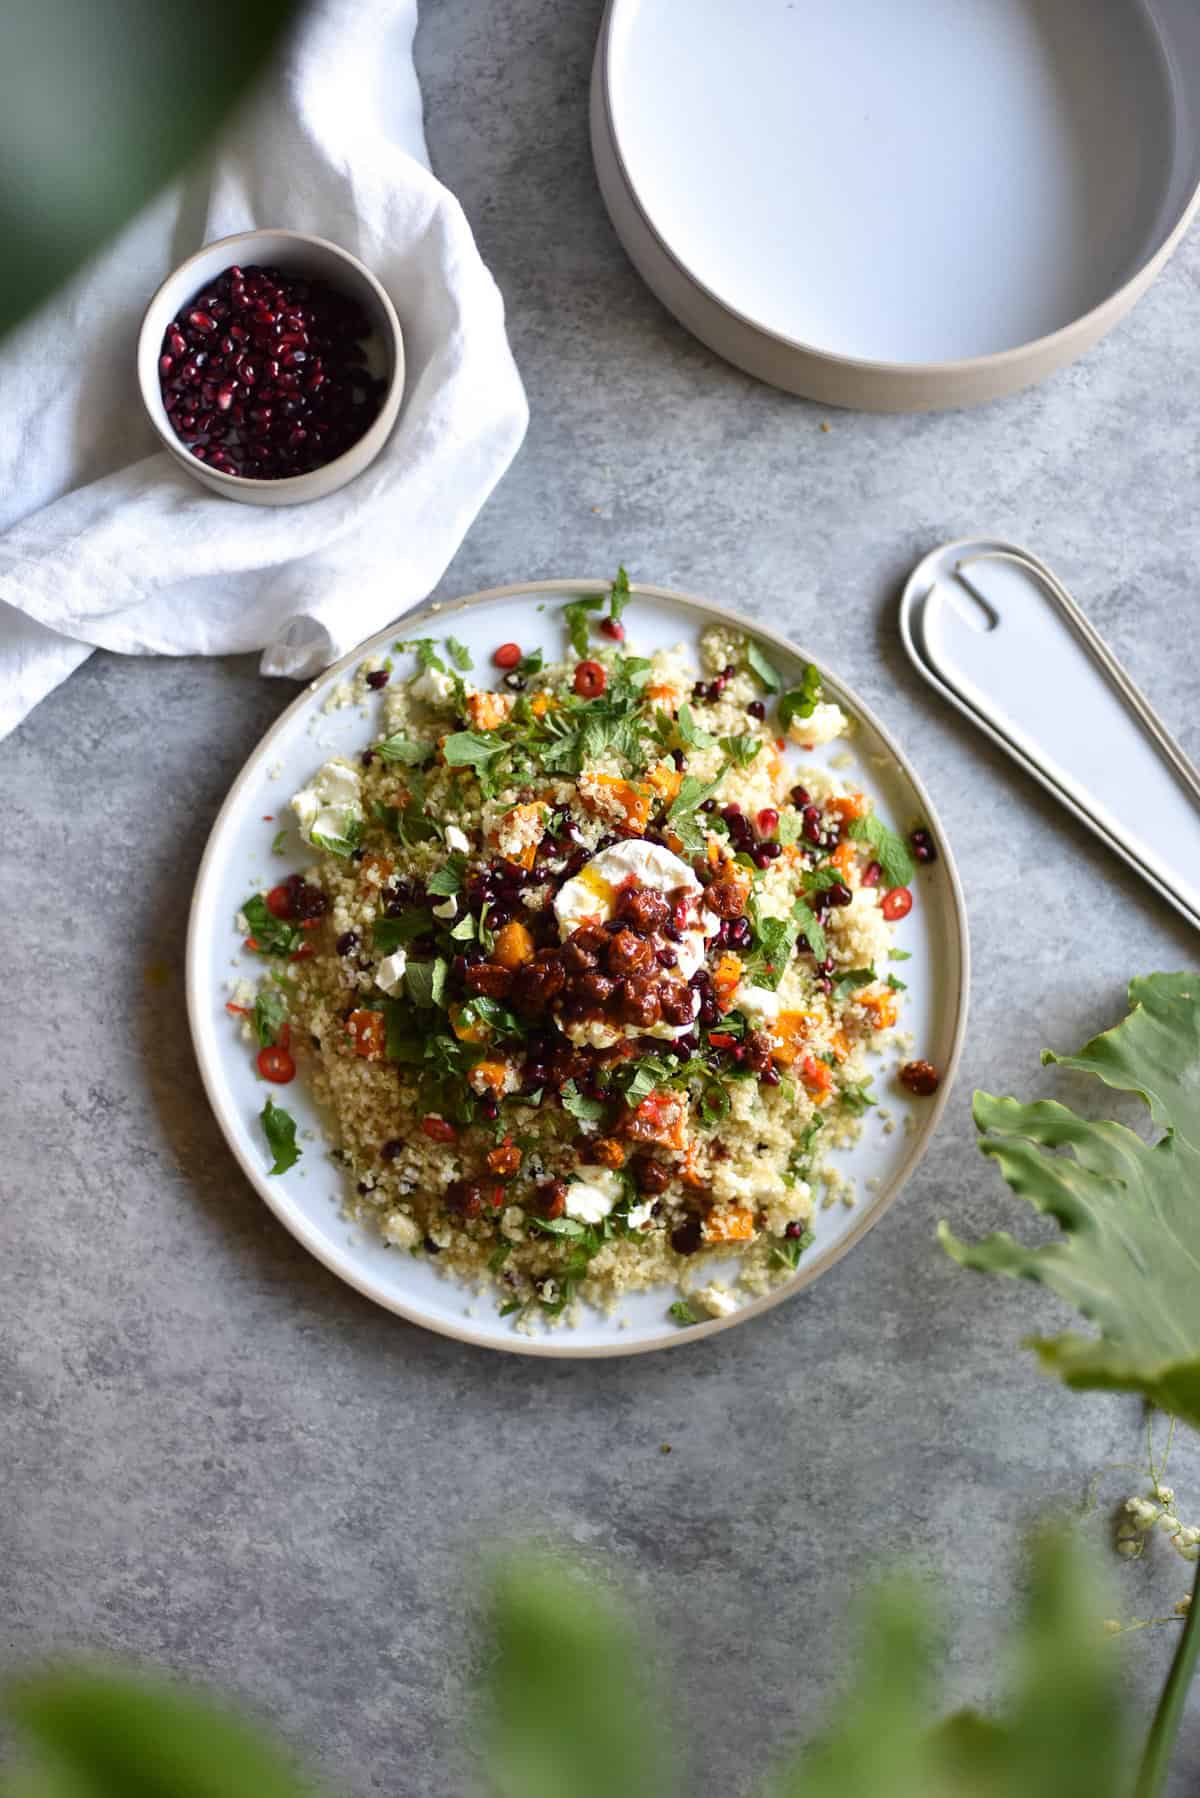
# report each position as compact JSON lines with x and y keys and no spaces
{"x":447,"y":880}
{"x":891,"y":851}
{"x":270,"y":1011}
{"x":575,"y":616}
{"x":272,"y":935}
{"x":400,"y":748}
{"x":682,"y":1312}
{"x":690,"y":733}
{"x":587,"y":1111}
{"x":759,"y":666}
{"x":741,"y":750}
{"x":460,"y":655}
{"x":279,"y":1127}
{"x":801,"y":701}
{"x":788,"y":1250}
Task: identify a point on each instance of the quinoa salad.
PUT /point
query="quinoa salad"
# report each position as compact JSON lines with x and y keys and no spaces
{"x":587,"y":970}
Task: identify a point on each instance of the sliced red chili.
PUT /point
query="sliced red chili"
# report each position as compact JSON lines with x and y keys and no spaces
{"x":279,"y":902}
{"x":591,"y":678}
{"x":438,"y":1130}
{"x":720,"y":1039}
{"x":238,"y":1011}
{"x":507,"y":656}
{"x":275,"y":1063}
{"x":302,"y":953}
{"x":896,"y":904}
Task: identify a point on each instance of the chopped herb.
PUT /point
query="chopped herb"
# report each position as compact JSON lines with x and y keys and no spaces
{"x":801,"y":701}
{"x":899,"y":954}
{"x":897,"y":986}
{"x":460,"y":655}
{"x":587,"y":1111}
{"x":425,"y":981}
{"x":682,"y":812}
{"x":891,"y":851}
{"x":400,"y":748}
{"x":499,"y":1256}
{"x":467,"y":749}
{"x":530,"y":664}
{"x":482,"y":1010}
{"x":619,"y":594}
{"x":786,"y":1252}
{"x":511,"y":1305}
{"x":816,"y":880}
{"x":741,"y":750}
{"x":447,"y":881}
{"x":650,"y":1073}
{"x":388,"y":934}
{"x":272,"y":935}
{"x":277,"y":845}
{"x":759,"y":666}
{"x":790,"y":828}
{"x":425,"y":650}
{"x":270,"y":1011}
{"x":799,"y":1161}
{"x":577,"y":621}
{"x":464,"y":930}
{"x":690,"y":733}
{"x":279,"y":1127}
{"x":682,"y":1312}
{"x":856,"y":1099}
{"x":714,"y":1103}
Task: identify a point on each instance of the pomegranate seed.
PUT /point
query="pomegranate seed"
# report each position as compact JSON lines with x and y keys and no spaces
{"x":165,"y":364}
{"x":757,"y":709}
{"x":800,"y":797}
{"x":768,"y":820}
{"x":201,"y":321}
{"x":871,"y":874}
{"x":507,"y":656}
{"x":612,"y":627}
{"x":923,"y":846}
{"x":177,"y":341}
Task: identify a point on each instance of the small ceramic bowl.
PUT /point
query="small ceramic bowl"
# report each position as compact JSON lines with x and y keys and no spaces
{"x":291,"y":251}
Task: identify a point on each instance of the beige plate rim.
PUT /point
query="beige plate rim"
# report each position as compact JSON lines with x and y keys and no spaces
{"x":436,"y":613}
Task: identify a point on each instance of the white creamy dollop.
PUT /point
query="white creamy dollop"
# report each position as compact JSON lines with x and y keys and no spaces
{"x":330,"y":805}
{"x":457,"y":840}
{"x":758,"y":1004}
{"x":827,"y":722}
{"x":433,"y":686}
{"x":592,"y":896}
{"x":592,"y":1196}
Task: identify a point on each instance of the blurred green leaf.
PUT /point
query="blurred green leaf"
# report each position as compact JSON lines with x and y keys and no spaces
{"x":100,"y":102}
{"x":1130,"y":1255}
{"x":1062,"y":1734}
{"x":113,"y":1736}
{"x":571,"y":1712}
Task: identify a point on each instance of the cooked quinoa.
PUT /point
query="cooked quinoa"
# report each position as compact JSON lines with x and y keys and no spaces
{"x":586,"y":982}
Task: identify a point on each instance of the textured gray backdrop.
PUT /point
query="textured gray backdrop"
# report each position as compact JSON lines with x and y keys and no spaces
{"x":213,"y":1455}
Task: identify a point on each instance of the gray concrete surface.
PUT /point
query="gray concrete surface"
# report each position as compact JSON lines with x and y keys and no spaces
{"x":214,"y":1456}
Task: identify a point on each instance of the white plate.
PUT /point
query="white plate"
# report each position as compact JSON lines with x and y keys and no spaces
{"x":238,"y":861}
{"x":892,"y":205}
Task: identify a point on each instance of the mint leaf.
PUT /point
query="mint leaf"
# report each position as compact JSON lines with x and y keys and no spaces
{"x":388,"y":934}
{"x":790,"y":828}
{"x":587,"y":1111}
{"x":578,"y":622}
{"x":467,"y":749}
{"x":786,"y":1252}
{"x":857,"y":1099}
{"x":682,"y":1312}
{"x":714,"y":1103}
{"x":899,"y":954}
{"x":460,"y":655}
{"x":558,"y":1226}
{"x":464,"y":930}
{"x":447,"y":881}
{"x":499,"y":1020}
{"x":272,"y":935}
{"x":852,"y":981}
{"x":681,"y":814}
{"x":342,"y":846}
{"x":809,"y":927}
{"x":741,"y":750}
{"x":270,"y":1011}
{"x":897,"y":986}
{"x":759,"y":666}
{"x":891,"y":851}
{"x":425,"y":981}
{"x":402,"y":749}
{"x":801,"y":701}
{"x":530,"y":664}
{"x":690,"y":733}
{"x":619,"y":595}
{"x":425,"y":650}
{"x":279,"y":1128}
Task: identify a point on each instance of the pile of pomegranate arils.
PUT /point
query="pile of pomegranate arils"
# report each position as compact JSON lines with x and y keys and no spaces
{"x":264,"y":374}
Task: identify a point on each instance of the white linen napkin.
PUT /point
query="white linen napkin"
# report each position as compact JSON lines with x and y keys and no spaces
{"x":106,"y":545}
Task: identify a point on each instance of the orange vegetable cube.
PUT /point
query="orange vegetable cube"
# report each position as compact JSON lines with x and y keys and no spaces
{"x":732,"y":1223}
{"x":514,"y":946}
{"x":789,"y":1034}
{"x":882,"y":1007}
{"x":472,"y":1030}
{"x":726,"y":976}
{"x":817,"y":1077}
{"x":487,"y":711}
{"x":666,"y":780}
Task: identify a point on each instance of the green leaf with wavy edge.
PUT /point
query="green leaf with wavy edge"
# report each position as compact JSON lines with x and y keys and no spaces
{"x":1129,"y":1256}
